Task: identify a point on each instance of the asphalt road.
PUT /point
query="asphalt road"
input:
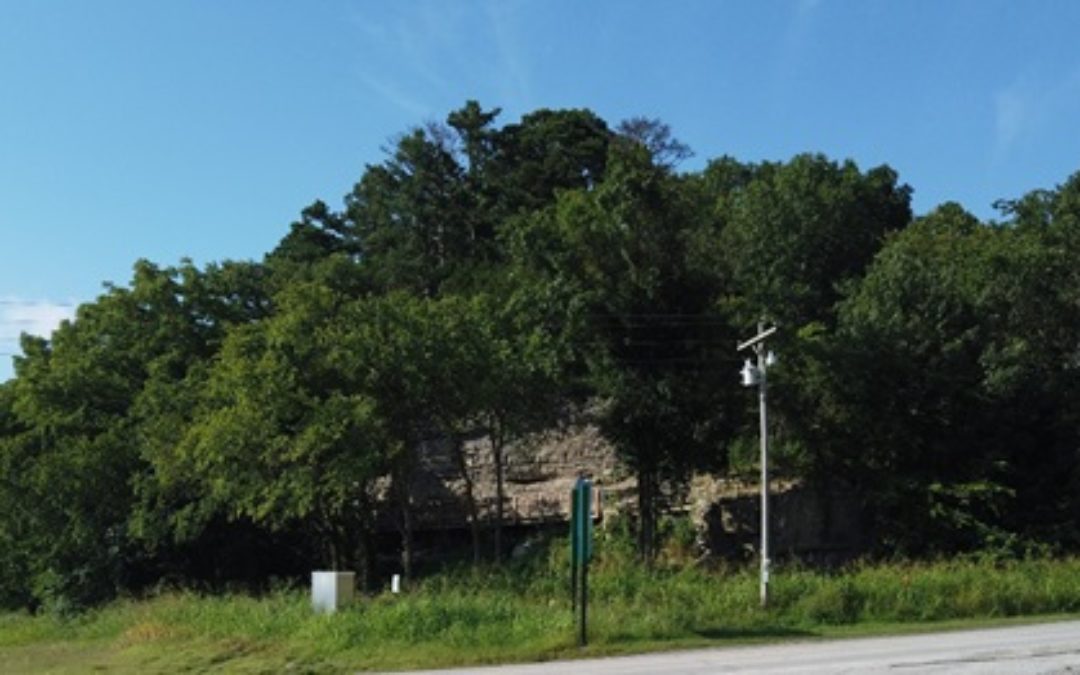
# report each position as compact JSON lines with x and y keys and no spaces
{"x":1044,"y":648}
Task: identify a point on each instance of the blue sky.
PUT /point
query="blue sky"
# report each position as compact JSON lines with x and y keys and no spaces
{"x":163,"y":130}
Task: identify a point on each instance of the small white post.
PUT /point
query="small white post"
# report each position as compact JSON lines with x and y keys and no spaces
{"x":395,"y":583}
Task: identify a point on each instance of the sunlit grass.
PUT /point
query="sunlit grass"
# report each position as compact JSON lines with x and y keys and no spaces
{"x":486,"y":616}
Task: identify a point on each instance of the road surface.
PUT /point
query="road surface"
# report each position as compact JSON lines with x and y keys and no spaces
{"x":1044,"y":648}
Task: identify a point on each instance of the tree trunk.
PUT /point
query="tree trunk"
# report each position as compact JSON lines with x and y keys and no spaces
{"x":647,"y":514}
{"x":330,"y":551}
{"x":334,"y":547}
{"x":497,"y":456}
{"x":406,"y":539}
{"x":470,"y":499}
{"x":333,"y":540}
{"x":365,"y":558}
{"x":361,"y":542}
{"x":404,"y":498}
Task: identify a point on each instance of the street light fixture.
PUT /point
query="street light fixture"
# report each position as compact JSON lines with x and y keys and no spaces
{"x":757,"y":375}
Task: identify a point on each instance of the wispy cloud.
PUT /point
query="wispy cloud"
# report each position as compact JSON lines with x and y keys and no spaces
{"x":1027,"y":106}
{"x":20,"y":315}
{"x":790,"y":55}
{"x":511,"y":69}
{"x":36,"y":317}
{"x":1012,"y":110}
{"x":417,"y":56}
{"x":405,"y":51}
{"x":394,"y":94}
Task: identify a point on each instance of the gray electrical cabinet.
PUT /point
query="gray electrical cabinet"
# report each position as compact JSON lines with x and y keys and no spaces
{"x":330,"y":591}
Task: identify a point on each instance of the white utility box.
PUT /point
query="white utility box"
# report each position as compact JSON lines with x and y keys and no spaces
{"x":330,"y":591}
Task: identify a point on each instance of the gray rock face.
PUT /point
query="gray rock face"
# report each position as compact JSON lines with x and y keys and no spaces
{"x":541,"y":470}
{"x":538,"y":475}
{"x":808,"y":523}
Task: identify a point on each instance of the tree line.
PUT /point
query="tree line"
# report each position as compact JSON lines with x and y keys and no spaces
{"x":198,"y":423}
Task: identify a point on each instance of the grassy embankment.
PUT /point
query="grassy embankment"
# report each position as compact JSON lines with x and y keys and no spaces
{"x":523,"y":614}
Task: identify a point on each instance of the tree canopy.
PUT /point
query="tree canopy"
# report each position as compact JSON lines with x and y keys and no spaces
{"x":484,"y":279}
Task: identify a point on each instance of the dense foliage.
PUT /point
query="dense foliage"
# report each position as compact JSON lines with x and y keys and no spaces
{"x":483,"y":280}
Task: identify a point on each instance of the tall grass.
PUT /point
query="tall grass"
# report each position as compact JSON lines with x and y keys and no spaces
{"x":523,"y":613}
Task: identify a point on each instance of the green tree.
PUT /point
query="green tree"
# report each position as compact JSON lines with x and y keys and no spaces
{"x":318,"y":234}
{"x":74,"y":459}
{"x":420,"y":360}
{"x":426,"y":219}
{"x":647,"y":325}
{"x":547,"y":151}
{"x":948,"y":386}
{"x":282,"y":437}
{"x":17,"y":519}
{"x":798,"y":231}
{"x":515,"y":387}
{"x":180,"y":540}
{"x":413,"y":217}
{"x":792,"y":236}
{"x":77,"y":452}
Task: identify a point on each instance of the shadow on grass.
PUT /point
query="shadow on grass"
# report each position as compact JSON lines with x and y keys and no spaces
{"x":754,"y":634}
{"x":705,"y":637}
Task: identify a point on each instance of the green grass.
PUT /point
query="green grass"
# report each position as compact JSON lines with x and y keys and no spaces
{"x":471,"y":617}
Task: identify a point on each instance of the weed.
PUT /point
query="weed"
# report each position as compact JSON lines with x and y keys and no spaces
{"x":522,"y":612}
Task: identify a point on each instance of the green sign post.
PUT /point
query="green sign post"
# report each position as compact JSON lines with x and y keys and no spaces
{"x":581,"y":550}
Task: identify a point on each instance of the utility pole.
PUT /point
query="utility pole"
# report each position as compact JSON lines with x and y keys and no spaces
{"x":757,"y":375}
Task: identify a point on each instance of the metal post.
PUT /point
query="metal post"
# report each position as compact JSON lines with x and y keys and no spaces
{"x":573,"y":550}
{"x":752,"y":375}
{"x":580,"y":553}
{"x":583,"y":605}
{"x":763,"y":404}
